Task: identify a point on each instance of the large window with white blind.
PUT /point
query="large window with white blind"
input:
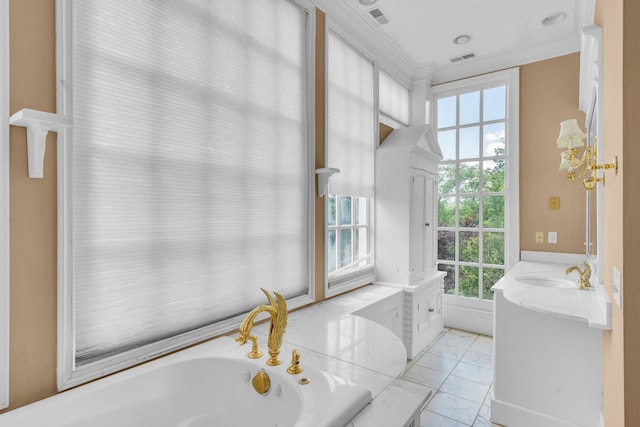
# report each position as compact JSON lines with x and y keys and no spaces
{"x":477,"y":127}
{"x":351,"y":132}
{"x":185,"y":179}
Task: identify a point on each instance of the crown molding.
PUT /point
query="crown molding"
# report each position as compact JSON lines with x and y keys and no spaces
{"x":507,"y":59}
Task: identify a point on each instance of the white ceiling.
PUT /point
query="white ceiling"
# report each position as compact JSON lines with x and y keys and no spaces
{"x":504,"y":32}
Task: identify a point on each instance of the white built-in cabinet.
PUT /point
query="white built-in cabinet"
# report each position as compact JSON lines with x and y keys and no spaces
{"x":406,"y":215}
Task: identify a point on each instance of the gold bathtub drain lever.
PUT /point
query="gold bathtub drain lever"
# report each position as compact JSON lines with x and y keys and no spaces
{"x":261,"y":382}
{"x":295,"y":367}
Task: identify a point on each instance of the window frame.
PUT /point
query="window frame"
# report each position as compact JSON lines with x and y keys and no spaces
{"x":337,"y":284}
{"x":69,"y":375}
{"x":509,"y":78}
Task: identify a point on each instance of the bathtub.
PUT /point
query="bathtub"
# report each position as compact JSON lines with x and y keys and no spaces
{"x":204,"y":386}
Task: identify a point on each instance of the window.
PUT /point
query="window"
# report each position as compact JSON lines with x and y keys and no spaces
{"x":476,"y":123}
{"x":395,"y":101}
{"x":4,"y":204}
{"x":348,"y":234}
{"x":185,"y":179}
{"x":350,"y":147}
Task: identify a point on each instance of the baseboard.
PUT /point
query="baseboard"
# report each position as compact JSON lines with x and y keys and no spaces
{"x":467,"y":319}
{"x":506,"y":414}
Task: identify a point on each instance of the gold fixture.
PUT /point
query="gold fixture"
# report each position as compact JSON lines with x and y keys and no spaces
{"x":295,"y":367}
{"x":261,"y":382}
{"x":583,"y":275}
{"x":278,"y":313}
{"x":586,"y":166}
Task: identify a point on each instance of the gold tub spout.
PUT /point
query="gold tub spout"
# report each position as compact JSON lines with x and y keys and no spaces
{"x":583,"y":275}
{"x":278,"y":312}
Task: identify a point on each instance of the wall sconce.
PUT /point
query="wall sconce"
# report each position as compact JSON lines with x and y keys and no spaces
{"x":585,"y":166}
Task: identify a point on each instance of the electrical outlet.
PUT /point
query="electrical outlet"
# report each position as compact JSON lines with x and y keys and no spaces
{"x":539,"y":237}
{"x":554,"y":203}
{"x":552,"y":237}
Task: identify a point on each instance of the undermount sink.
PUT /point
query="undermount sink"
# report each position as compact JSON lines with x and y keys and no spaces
{"x":546,"y":282}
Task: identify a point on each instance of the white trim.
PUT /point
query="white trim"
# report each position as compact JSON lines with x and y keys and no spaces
{"x":468,"y":319}
{"x":4,"y":205}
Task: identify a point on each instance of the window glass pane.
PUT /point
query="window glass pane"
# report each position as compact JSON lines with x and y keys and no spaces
{"x":446,"y":245}
{"x":493,"y":140}
{"x":493,"y":211}
{"x":361,"y":211}
{"x":469,"y":246}
{"x":493,"y":176}
{"x":345,"y":247}
{"x":447,"y":178}
{"x":493,"y":248}
{"x":469,"y":212}
{"x":447,"y":142}
{"x":345,"y":210}
{"x":489,"y":278}
{"x":447,"y":112}
{"x":449,"y":279}
{"x":469,"y":177}
{"x":331,"y":210}
{"x":469,"y":108}
{"x":446,"y":212}
{"x":331,"y":251}
{"x":470,"y":142}
{"x":469,"y":281}
{"x":494,"y":103}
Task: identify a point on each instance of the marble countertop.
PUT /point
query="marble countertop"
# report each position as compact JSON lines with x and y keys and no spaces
{"x":591,"y":305}
{"x":332,"y":339}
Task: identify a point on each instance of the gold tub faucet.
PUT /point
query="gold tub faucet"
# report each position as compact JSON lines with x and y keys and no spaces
{"x":278,"y":312}
{"x":583,"y":275}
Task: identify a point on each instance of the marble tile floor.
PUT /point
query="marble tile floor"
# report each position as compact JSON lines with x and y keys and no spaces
{"x":458,"y":366}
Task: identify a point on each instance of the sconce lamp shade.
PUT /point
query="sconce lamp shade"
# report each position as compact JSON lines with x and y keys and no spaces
{"x":571,"y":135}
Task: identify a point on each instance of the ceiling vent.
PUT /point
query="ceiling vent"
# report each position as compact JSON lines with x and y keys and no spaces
{"x":379,"y":16}
{"x":463,"y":57}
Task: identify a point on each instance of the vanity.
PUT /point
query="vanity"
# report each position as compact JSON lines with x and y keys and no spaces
{"x":548,"y":345}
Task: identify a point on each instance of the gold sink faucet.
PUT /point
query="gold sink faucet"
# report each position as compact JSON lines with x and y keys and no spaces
{"x":278,"y":312}
{"x":583,"y":275}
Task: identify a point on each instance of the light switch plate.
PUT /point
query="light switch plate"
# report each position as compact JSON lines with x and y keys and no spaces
{"x":552,"y":237}
{"x":554,"y":203}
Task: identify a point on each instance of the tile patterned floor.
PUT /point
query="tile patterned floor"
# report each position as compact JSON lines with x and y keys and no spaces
{"x":459,"y":366}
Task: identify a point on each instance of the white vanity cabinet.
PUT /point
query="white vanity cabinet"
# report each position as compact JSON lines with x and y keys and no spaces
{"x":406,"y":173}
{"x":406,"y":179}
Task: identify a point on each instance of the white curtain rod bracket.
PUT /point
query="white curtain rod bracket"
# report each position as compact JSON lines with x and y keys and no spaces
{"x":323,"y":179}
{"x":38,"y":124}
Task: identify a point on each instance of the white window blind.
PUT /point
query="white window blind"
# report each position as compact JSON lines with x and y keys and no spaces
{"x":394,"y":98}
{"x":350,"y":119}
{"x":187,"y":180}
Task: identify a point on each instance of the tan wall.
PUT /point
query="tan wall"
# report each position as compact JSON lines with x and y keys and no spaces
{"x":548,"y":95}
{"x":621,"y":345}
{"x":33,"y":208}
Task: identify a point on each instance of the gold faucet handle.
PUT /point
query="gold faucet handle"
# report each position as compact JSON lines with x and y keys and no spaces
{"x":255,"y":352}
{"x":295,"y":367}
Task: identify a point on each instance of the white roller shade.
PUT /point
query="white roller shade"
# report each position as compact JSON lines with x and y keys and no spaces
{"x":350,"y":120}
{"x":189,"y":181}
{"x":395,"y":100}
